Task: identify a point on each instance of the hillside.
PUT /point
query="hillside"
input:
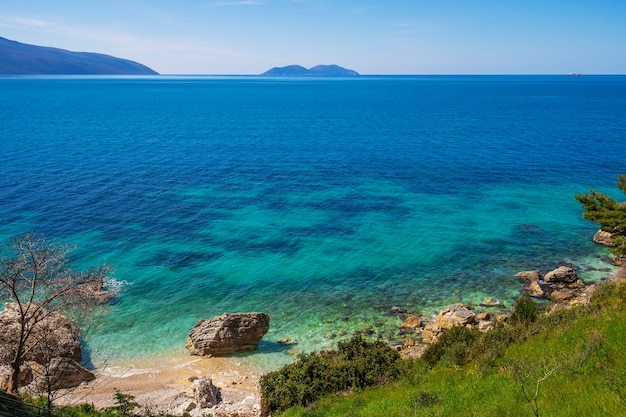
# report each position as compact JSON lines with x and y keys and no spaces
{"x":570,"y":362}
{"x":318,"y":70}
{"x":21,"y":58}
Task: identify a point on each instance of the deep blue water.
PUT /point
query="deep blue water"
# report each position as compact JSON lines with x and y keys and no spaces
{"x":322,"y":202}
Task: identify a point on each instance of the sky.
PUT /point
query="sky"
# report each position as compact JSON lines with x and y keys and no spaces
{"x":368,"y":36}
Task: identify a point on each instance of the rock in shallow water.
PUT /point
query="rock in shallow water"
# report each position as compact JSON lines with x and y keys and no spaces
{"x":534,"y":275}
{"x":604,"y":238}
{"x":561,"y":274}
{"x":228,"y":334}
{"x":455,"y":315}
{"x":411,"y":323}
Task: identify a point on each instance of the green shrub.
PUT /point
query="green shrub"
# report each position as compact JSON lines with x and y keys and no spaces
{"x":609,"y":295}
{"x":454,"y":347}
{"x":83,"y":410}
{"x":124,"y":404}
{"x":357,"y":363}
{"x":491,"y":346}
{"x":525,"y":311}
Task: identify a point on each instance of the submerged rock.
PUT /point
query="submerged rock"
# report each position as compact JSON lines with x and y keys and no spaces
{"x":490,"y":302}
{"x":228,"y":334}
{"x":534,"y":275}
{"x":395,"y":310}
{"x":411,"y":323}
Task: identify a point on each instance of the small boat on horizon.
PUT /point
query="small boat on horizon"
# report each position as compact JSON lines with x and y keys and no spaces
{"x":574,"y":74}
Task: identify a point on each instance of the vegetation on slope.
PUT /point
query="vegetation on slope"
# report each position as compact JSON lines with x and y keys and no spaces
{"x":569,"y":362}
{"x":355,"y":364}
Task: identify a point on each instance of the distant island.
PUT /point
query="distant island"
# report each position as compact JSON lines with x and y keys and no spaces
{"x":21,"y":58}
{"x":318,"y":70}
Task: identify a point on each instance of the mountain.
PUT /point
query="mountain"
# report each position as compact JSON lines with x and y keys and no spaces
{"x":288,"y":70}
{"x":331,"y":70}
{"x":318,"y":70}
{"x":21,"y":58}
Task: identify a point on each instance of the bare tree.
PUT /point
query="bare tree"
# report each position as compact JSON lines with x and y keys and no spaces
{"x":38,"y":284}
{"x":528,"y":372}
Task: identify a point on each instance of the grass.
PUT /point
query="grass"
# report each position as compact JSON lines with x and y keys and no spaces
{"x":584,"y":349}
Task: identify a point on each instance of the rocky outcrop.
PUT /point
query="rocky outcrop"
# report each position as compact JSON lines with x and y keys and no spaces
{"x":411,"y":351}
{"x":228,"y":334}
{"x":560,"y":285}
{"x":60,"y":373}
{"x":455,"y":315}
{"x":535,"y":289}
{"x":53,"y":353}
{"x":60,"y":338}
{"x":431,"y":333}
{"x":604,"y":238}
{"x":563,"y":274}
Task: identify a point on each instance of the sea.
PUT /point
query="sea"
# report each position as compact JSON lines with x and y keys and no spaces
{"x":323,"y":202}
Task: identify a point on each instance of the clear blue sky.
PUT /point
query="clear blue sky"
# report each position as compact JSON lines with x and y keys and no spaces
{"x":369,"y":36}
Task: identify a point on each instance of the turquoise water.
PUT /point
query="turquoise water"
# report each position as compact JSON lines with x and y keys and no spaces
{"x":323,"y":202}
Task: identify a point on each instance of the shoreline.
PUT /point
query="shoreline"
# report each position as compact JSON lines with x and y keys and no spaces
{"x":161,"y":383}
{"x":165,"y":386}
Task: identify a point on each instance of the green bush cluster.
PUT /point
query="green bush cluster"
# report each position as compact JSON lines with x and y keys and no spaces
{"x":453,"y":347}
{"x":357,"y":363}
{"x":526,"y":367}
{"x":609,"y":295}
{"x":525,"y":311}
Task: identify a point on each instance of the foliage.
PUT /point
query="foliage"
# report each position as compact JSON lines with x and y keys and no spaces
{"x":124,"y":404}
{"x":609,"y":295}
{"x":525,"y":311}
{"x":37,"y":278}
{"x":569,"y":362}
{"x":453,"y":347}
{"x":608,"y":213}
{"x":492,"y":345}
{"x":357,"y":363}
